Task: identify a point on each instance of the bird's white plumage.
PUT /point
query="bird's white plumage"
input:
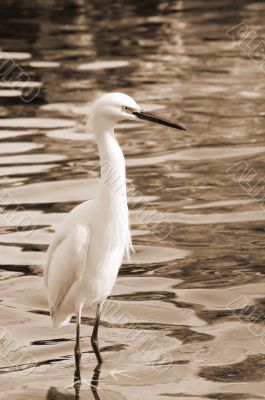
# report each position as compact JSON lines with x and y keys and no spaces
{"x":88,"y":246}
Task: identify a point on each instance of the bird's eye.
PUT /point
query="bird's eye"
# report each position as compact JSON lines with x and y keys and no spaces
{"x":128,"y":110}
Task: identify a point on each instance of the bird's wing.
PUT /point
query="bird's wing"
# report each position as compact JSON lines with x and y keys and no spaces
{"x":80,"y":238}
{"x":67,"y":264}
{"x":59,"y":236}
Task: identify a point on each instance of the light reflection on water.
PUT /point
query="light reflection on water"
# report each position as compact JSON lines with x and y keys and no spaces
{"x":172,"y":57}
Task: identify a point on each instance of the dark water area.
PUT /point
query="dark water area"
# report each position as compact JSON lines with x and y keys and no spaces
{"x":189,"y":306}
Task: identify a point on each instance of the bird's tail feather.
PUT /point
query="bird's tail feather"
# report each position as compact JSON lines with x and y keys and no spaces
{"x":60,"y":319}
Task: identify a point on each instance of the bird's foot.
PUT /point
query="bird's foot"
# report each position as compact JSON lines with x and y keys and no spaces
{"x":115,"y":374}
{"x":78,"y":382}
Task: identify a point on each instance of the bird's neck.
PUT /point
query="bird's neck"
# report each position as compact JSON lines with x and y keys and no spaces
{"x":112,"y":176}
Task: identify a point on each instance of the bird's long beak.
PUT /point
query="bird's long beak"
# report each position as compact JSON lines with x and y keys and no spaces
{"x":157,"y":120}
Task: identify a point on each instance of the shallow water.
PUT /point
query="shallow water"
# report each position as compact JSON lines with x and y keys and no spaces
{"x":186,"y":317}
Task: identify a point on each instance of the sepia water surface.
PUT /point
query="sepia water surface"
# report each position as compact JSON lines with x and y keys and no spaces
{"x":186,"y":317}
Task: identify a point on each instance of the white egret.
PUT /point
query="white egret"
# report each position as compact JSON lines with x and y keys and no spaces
{"x":84,"y":257}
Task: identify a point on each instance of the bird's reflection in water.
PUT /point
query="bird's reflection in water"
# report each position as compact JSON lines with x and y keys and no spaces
{"x":54,"y":394}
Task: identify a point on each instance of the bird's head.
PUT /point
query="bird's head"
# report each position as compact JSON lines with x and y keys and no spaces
{"x":112,"y":108}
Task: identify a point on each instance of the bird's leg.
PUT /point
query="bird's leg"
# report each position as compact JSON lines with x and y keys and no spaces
{"x":77,"y":348}
{"x":95,"y":381}
{"x":94,"y":337}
